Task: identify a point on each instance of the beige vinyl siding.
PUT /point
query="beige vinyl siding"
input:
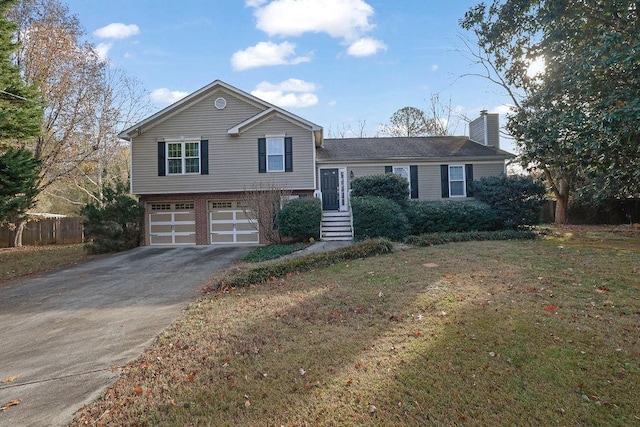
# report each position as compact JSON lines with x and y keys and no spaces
{"x":482,"y":170}
{"x":233,"y":160}
{"x":429,"y":182}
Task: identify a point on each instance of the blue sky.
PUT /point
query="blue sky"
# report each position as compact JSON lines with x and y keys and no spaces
{"x":337,"y":63}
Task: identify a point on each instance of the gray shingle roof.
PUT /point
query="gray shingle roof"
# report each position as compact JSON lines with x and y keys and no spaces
{"x":413,"y":148}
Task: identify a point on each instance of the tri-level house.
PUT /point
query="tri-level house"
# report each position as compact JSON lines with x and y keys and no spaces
{"x":192,"y":162}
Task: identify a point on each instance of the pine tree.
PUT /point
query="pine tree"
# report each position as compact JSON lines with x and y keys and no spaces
{"x":20,"y":111}
{"x":18,"y":183}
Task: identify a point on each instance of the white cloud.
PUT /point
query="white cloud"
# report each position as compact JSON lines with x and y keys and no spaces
{"x":366,"y":47}
{"x":254,"y":3}
{"x":345,"y":19}
{"x":102,"y":50}
{"x":166,"y":96}
{"x":267,"y":53}
{"x":434,"y":67}
{"x":117,"y":30}
{"x":289,"y":93}
{"x":502,"y":109}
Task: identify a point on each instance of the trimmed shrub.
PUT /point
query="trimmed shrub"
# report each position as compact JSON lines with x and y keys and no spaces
{"x":115,"y":224}
{"x":450,"y":216}
{"x":442,"y":238}
{"x":297,"y":265}
{"x":300,"y":218}
{"x":388,"y":185}
{"x":378,"y":217}
{"x":517,"y":200}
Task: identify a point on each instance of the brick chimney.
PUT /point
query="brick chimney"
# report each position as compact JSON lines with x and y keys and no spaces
{"x":485,"y":129}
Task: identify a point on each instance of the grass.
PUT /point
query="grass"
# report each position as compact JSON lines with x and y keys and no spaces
{"x":26,"y":260}
{"x":541,"y":332}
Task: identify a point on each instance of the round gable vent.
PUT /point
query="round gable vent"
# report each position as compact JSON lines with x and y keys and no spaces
{"x":220,"y":103}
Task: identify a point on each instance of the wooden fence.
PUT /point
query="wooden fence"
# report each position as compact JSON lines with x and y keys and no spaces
{"x":48,"y":231}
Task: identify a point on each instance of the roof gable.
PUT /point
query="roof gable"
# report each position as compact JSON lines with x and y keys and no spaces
{"x":194,"y":97}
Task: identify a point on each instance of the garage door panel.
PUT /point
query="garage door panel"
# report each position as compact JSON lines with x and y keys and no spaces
{"x":161,"y":240}
{"x":172,"y":227}
{"x":185,"y":240}
{"x":185,"y":217}
{"x":245,"y":226}
{"x":162,"y":217}
{"x":222,"y":216}
{"x":232,"y":226}
{"x":222,"y":238}
{"x":246,"y":238}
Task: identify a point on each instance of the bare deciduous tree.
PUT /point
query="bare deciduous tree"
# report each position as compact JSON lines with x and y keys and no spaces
{"x":86,"y":102}
{"x":261,"y":203}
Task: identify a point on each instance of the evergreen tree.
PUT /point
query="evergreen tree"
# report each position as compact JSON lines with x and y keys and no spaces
{"x":20,"y":112}
{"x":18,"y":183}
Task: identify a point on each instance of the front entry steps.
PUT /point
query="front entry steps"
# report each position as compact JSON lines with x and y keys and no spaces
{"x":336,"y":225}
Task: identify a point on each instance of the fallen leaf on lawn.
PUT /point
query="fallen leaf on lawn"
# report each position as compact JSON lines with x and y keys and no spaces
{"x":10,"y":379}
{"x":448,"y":276}
{"x":602,"y":289}
{"x":372,"y":409}
{"x":190,"y":378}
{"x":430,"y":265}
{"x":312,"y":385}
{"x":137,"y":390}
{"x":550,"y":307}
{"x":14,"y":402}
{"x":247,"y":403}
{"x":417,"y":334}
{"x":302,"y":371}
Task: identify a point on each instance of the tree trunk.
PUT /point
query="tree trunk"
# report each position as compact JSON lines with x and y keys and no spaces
{"x":16,"y":235}
{"x":562,"y":202}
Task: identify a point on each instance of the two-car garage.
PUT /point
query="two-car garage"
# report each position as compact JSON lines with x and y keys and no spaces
{"x":174,"y":223}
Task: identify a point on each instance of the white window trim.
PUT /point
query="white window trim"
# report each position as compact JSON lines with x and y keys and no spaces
{"x":408,"y":168}
{"x":279,"y":138}
{"x":183,"y":158}
{"x":464,"y":181}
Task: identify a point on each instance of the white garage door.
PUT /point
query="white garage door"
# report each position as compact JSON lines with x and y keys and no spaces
{"x":172,"y":224}
{"x":230,"y":224}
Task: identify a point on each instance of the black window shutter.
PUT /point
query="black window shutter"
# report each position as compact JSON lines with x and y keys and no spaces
{"x":413,"y":174}
{"x":468,"y":174}
{"x":388,"y":169}
{"x":162,"y":162}
{"x":288,"y":154}
{"x":262,"y":155}
{"x":204,"y":157}
{"x":444,"y":180}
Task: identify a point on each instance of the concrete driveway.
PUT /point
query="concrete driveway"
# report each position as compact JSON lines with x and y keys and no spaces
{"x":65,"y":333}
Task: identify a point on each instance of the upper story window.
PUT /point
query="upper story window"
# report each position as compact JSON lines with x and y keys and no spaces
{"x":183,"y":157}
{"x":457,"y":183}
{"x":275,"y":154}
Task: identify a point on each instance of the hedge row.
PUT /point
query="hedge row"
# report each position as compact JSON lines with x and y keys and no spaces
{"x":442,"y":238}
{"x":296,"y":265}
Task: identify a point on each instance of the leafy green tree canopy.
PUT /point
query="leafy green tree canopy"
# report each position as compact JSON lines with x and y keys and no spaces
{"x":577,"y":120}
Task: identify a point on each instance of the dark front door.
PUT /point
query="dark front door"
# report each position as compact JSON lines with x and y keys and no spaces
{"x":329,"y":186}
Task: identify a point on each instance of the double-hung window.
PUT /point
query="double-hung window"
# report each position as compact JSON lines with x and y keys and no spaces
{"x":183,"y":157}
{"x":457,"y":181}
{"x":275,"y":154}
{"x":403,"y":171}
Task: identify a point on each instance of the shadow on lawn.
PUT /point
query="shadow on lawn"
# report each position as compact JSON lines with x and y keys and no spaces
{"x":415,"y":346}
